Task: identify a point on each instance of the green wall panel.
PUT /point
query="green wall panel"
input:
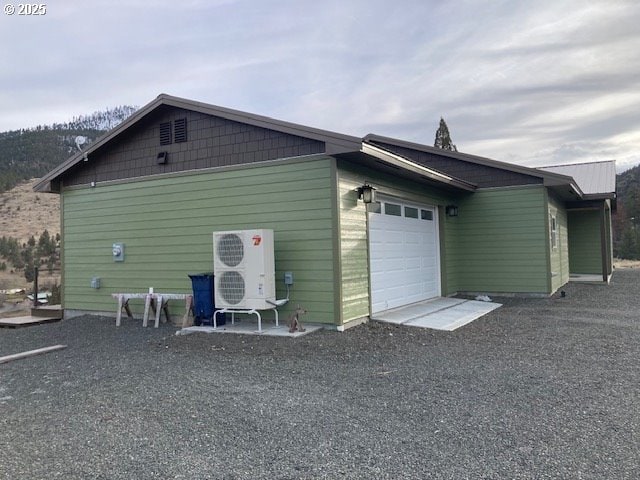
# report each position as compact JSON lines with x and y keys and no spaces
{"x":558,"y":254}
{"x":585,"y":244}
{"x":497,"y":243}
{"x":354,"y":250}
{"x":166,"y":225}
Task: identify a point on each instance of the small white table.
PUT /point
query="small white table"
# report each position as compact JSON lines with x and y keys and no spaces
{"x":156,"y":301}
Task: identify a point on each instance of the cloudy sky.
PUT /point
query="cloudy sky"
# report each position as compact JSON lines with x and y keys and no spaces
{"x":530,"y":82}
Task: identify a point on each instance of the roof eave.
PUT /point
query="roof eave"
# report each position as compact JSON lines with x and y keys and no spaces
{"x":334,"y":142}
{"x":401,"y":162}
{"x":456,"y":155}
{"x":107,"y":137}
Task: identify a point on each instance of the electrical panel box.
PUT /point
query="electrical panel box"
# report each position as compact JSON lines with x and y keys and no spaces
{"x":118,"y":252}
{"x":288,"y":278}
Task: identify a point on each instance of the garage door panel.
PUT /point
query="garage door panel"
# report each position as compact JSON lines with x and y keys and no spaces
{"x":404,"y":257}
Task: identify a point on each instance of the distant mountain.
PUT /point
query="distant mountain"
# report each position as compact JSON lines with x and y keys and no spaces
{"x":626,"y":222}
{"x":32,"y":152}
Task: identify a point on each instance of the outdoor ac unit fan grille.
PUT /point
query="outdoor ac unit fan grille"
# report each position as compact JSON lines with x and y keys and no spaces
{"x":230,"y":249}
{"x":231,"y":287}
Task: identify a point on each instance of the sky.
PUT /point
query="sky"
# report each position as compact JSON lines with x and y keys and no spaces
{"x":537,"y":82}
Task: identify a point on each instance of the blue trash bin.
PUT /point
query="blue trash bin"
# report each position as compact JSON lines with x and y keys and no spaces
{"x":203,"y":300}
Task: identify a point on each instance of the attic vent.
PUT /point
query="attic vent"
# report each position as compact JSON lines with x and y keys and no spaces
{"x":165,"y":133}
{"x":180,"y":130}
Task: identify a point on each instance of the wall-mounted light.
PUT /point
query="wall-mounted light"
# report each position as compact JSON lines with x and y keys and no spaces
{"x":367,"y":193}
{"x":451,"y":210}
{"x":162,"y":158}
{"x":85,"y":157}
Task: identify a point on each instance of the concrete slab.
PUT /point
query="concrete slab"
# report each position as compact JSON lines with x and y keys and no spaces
{"x":585,"y":278}
{"x":251,"y":328}
{"x":453,"y":313}
{"x":416,"y":310}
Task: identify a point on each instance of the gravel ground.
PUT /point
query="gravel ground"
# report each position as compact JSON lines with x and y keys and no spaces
{"x":540,"y":388}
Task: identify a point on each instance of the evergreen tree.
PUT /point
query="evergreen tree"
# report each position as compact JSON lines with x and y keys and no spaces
{"x":443,"y":138}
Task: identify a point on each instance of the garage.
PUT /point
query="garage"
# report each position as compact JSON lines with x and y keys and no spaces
{"x":404,"y":253}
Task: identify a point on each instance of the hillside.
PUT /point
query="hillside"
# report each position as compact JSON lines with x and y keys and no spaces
{"x":32,"y":152}
{"x":24,"y":213}
{"x":626,"y":221}
{"x":29,"y":221}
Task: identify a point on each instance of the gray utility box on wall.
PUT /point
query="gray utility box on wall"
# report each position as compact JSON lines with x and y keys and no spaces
{"x":117,"y":250}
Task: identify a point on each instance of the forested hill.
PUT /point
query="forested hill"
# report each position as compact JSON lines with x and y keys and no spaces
{"x":627,"y":218}
{"x":628,"y":189}
{"x":32,"y":152}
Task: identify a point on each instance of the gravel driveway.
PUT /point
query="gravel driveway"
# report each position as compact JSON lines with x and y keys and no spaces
{"x":540,"y":388}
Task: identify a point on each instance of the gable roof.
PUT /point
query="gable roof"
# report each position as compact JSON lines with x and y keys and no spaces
{"x":560,"y":179}
{"x":334,"y":142}
{"x":596,"y":179}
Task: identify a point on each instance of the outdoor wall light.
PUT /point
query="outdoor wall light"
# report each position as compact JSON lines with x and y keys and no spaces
{"x":451,"y":210}
{"x":162,"y":158}
{"x":367,"y":193}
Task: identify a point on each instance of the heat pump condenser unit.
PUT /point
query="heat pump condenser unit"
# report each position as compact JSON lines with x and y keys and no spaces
{"x":244,"y":269}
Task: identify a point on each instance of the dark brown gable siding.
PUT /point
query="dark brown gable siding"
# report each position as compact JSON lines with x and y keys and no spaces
{"x":211,"y":142}
{"x":482,"y":175}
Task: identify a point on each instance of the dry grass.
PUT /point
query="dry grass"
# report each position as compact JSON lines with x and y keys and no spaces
{"x":24,"y":213}
{"x":621,"y":263}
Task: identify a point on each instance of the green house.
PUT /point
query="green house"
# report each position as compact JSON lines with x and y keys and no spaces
{"x":441,"y":223}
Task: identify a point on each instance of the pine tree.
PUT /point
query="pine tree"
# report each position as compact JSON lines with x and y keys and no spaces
{"x":443,"y":138}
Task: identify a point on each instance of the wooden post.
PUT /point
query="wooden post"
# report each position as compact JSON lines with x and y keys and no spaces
{"x":35,"y":287}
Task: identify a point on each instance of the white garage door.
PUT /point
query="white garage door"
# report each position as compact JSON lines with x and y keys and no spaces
{"x":404,"y":254}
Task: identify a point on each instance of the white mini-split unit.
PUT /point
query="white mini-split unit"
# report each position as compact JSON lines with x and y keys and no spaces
{"x":244,"y":269}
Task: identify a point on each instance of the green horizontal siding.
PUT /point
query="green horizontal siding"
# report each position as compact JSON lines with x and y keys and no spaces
{"x":497,"y":243}
{"x":559,"y":256}
{"x":167,"y":223}
{"x":354,"y":249}
{"x":585,"y":244}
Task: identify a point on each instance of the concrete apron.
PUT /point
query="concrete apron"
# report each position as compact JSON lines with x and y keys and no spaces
{"x":438,"y":313}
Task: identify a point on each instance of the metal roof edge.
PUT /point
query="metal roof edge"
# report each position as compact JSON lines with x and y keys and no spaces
{"x":489,"y":162}
{"x":327,"y":136}
{"x":107,"y":137}
{"x":542,"y":167}
{"x":402,"y":162}
{"x":549,"y":178}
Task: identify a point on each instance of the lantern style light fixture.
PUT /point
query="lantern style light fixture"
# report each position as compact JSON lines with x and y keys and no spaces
{"x":367,"y":193}
{"x":451,"y":210}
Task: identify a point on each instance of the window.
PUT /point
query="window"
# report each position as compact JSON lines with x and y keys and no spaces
{"x":410,"y":212}
{"x":426,"y":215}
{"x":393,"y":209}
{"x":554,"y":232}
{"x":375,"y":207}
